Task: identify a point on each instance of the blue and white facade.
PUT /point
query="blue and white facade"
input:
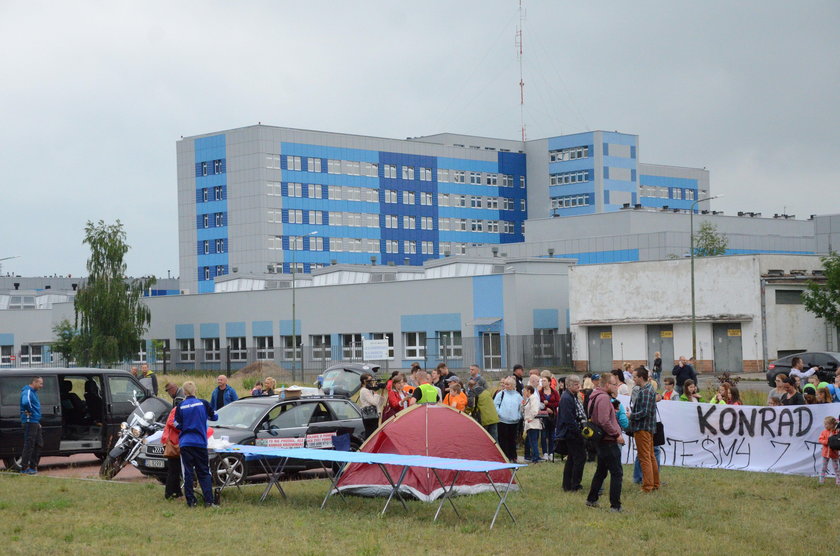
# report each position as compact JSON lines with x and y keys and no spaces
{"x":266,"y":199}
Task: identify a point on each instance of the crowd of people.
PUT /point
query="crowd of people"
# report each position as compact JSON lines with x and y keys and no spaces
{"x":790,"y":389}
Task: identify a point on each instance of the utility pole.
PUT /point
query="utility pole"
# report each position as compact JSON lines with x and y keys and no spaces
{"x":520,"y":29}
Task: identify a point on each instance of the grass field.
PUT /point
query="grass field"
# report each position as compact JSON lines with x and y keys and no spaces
{"x":697,"y":511}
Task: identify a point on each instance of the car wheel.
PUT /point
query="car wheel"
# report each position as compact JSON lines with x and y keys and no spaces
{"x":12,"y":463}
{"x":229,"y":469}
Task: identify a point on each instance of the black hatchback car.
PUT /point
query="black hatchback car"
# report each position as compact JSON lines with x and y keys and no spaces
{"x":826,"y":361}
{"x":310,"y":421}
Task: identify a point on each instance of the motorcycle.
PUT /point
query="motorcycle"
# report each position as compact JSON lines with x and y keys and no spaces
{"x":130,"y":441}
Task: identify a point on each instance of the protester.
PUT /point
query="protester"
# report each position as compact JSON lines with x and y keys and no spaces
{"x":552,"y":382}
{"x":735,"y":396}
{"x":257,"y":390}
{"x":531,"y":422}
{"x":475,"y":374}
{"x":722,"y":395}
{"x":792,"y":396}
{"x":549,"y":402}
{"x":456,"y":397}
{"x":657,"y":366}
{"x":623,"y":389}
{"x":222,"y":395}
{"x":268,"y":386}
{"x":779,"y":389}
{"x":438,"y":382}
{"x":411,"y":380}
{"x":810,"y":394}
{"x":173,"y":390}
{"x":588,"y":384}
{"x":30,"y":420}
{"x":609,"y":447}
{"x":829,"y":455}
{"x":425,"y":392}
{"x":191,"y":418}
{"x":690,"y":393}
{"x":146,"y":372}
{"x":507,"y":403}
{"x":670,"y":393}
{"x":389,"y":384}
{"x":518,"y":372}
{"x":482,"y":408}
{"x":774,"y":402}
{"x":570,"y":421}
{"x":643,"y":424}
{"x":834,"y":389}
{"x":627,"y":373}
{"x":398,"y":399}
{"x":172,"y":454}
{"x":683,"y":371}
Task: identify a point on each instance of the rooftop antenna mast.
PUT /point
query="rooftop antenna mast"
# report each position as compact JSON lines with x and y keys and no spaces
{"x":520,"y":54}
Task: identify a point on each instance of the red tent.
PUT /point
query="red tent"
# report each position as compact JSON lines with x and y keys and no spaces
{"x":426,"y":430}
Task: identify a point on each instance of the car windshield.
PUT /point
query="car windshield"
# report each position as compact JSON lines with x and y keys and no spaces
{"x":340,"y":381}
{"x":239,"y":416}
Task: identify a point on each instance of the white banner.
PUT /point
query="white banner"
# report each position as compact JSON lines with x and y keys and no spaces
{"x":742,"y":437}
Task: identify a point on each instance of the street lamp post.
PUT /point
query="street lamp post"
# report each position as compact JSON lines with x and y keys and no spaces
{"x":294,"y":316}
{"x":693,"y":313}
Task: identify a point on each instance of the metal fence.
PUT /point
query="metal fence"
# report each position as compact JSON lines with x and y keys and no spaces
{"x":493,"y":353}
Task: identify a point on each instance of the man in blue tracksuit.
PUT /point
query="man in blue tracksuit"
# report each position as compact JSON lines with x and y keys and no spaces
{"x":191,"y":418}
{"x":30,"y":419}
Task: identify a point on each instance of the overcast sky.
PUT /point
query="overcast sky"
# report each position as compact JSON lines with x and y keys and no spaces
{"x":94,"y":95}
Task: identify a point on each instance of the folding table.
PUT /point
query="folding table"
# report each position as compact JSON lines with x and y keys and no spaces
{"x":274,"y":460}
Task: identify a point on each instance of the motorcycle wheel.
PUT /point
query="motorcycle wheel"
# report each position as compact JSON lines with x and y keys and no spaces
{"x":12,"y":463}
{"x":110,"y":467}
{"x":229,"y":468}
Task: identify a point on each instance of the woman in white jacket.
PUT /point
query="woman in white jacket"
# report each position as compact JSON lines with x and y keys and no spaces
{"x":532,"y":425}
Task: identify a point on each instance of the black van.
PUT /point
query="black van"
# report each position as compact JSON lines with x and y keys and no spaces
{"x":81,"y":409}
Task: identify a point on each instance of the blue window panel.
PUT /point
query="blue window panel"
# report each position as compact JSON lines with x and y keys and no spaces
{"x":285,"y":328}
{"x":211,"y":207}
{"x":606,"y":172}
{"x":666,"y":181}
{"x":430,"y":322}
{"x":305,"y":203}
{"x":210,"y":148}
{"x":632,"y":151}
{"x":606,"y":149}
{"x":324,"y":178}
{"x":209,"y":329}
{"x":324,"y":152}
{"x":235,"y":329}
{"x":468,"y":165}
{"x":755,"y":251}
{"x":206,"y":287}
{"x":571,"y":165}
{"x":572,"y":189}
{"x":488,"y":296}
{"x":620,"y":138}
{"x":7,"y":339}
{"x":620,"y":162}
{"x":633,"y":174}
{"x":573,"y":140}
{"x":546,"y":318}
{"x":211,"y":233}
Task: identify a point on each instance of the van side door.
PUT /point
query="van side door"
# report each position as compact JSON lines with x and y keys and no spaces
{"x":119,"y":391}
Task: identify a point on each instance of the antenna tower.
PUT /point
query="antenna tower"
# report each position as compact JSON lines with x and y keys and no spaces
{"x":520,"y":54}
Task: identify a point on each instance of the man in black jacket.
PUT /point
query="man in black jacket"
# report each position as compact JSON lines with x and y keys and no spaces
{"x":683,"y":371}
{"x":570,"y":420}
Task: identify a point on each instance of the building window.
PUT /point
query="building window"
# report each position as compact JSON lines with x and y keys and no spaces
{"x":211,"y":349}
{"x":385,"y":336}
{"x":391,"y":221}
{"x":334,"y":166}
{"x":689,"y":194}
{"x":392,"y":246}
{"x":408,"y":172}
{"x":205,"y":220}
{"x":410,"y":247}
{"x":414,"y":345}
{"x":203,"y":168}
{"x":293,"y":163}
{"x":459,"y":176}
{"x":451,"y":345}
{"x":316,"y":217}
{"x":204,"y":195}
{"x":390,"y":171}
{"x":443,"y":175}
{"x":565,"y":178}
{"x":788,"y":297}
{"x":475,"y":178}
{"x":655,"y":191}
{"x":294,"y":190}
{"x":475,"y":202}
{"x":288,"y":353}
{"x":217,"y":166}
{"x":321,"y":346}
{"x":677,"y":193}
{"x":219,"y":219}
{"x":571,"y":153}
{"x":425,"y":198}
{"x":315,"y":191}
{"x":30,"y":354}
{"x":493,"y":226}
{"x":186,"y":347}
{"x":428,"y":247}
{"x":408,"y":197}
{"x":427,"y":223}
{"x":316,"y":243}
{"x":570,"y":201}
{"x":264,"y":345}
{"x":544,"y":339}
{"x":220,"y":246}
{"x":476,"y":225}
{"x":206,"y":247}
{"x":492,"y":179}
{"x":238,"y":349}
{"x":351,"y":346}
{"x":313,"y":164}
{"x":408,"y":222}
{"x":295,"y":216}
{"x":425,"y":174}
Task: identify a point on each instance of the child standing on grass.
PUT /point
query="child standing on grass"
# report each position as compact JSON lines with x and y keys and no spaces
{"x":828,"y":454}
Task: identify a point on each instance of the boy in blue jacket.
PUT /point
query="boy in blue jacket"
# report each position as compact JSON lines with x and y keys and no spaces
{"x":191,"y":418}
{"x":30,"y":419}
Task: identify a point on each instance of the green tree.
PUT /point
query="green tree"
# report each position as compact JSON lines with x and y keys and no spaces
{"x":708,"y":242}
{"x":110,"y":317}
{"x":823,"y":299}
{"x":64,"y":333}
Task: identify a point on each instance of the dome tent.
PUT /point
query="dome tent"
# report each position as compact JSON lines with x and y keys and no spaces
{"x":426,"y":430}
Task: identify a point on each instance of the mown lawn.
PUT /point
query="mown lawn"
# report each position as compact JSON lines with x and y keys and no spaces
{"x":698,"y":511}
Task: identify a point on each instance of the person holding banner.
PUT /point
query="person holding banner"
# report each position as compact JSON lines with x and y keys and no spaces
{"x":602,"y":414}
{"x":643,"y":424}
{"x":570,"y":420}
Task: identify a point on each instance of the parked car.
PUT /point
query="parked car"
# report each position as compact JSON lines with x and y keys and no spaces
{"x":827,"y":361}
{"x":343,"y":379}
{"x":81,"y":409}
{"x":309,"y":421}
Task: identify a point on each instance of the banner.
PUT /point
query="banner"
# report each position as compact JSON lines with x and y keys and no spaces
{"x":741,"y":437}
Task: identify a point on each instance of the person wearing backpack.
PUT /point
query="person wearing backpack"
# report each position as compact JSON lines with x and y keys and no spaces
{"x":602,"y":415}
